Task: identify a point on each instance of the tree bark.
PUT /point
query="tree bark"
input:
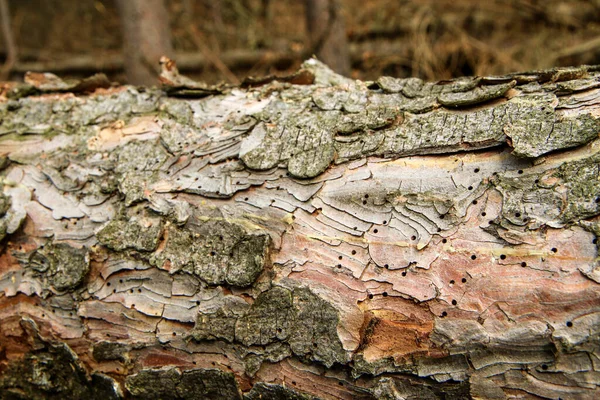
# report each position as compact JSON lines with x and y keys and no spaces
{"x":327,"y":34}
{"x":303,"y":237}
{"x":146,"y":38}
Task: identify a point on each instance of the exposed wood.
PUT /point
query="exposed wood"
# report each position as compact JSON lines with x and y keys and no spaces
{"x":301,"y":238}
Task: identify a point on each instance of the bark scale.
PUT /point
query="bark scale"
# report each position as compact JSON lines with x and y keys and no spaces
{"x":303,"y":237}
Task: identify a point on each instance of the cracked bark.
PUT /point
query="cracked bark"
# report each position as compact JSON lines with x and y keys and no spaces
{"x":303,"y":237}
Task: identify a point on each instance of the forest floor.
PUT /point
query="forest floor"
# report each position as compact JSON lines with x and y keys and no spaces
{"x":431,"y":39}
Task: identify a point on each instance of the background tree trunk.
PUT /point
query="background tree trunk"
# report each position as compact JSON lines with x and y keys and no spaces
{"x":147,"y":37}
{"x":306,"y":237}
{"x":327,"y":34}
{"x":9,"y":41}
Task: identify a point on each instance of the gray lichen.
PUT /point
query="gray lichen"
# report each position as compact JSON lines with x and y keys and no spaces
{"x":141,"y":234}
{"x":378,"y":124}
{"x":270,"y":391}
{"x":299,"y":125}
{"x":108,"y":351}
{"x":13,"y":199}
{"x":171,"y":383}
{"x":580,"y":178}
{"x":4,"y":206}
{"x":2,"y":230}
{"x":137,"y":167}
{"x":29,"y":115}
{"x":54,"y":372}
{"x":218,"y":252}
{"x":384,"y":365}
{"x":295,"y":317}
{"x":119,"y":105}
{"x":414,"y":117}
{"x":534,"y":129}
{"x":554,"y":198}
{"x":592,"y":271}
{"x":61,"y":266}
{"x":307,"y":147}
{"x":218,"y":321}
{"x":474,"y":96}
{"x":409,"y":388}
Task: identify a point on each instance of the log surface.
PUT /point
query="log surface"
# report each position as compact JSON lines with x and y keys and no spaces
{"x":303,"y":237}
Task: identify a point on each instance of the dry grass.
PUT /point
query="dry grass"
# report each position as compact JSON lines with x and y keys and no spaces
{"x":442,"y":38}
{"x":432,"y":39}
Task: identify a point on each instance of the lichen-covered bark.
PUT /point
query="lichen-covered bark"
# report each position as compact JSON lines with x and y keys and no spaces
{"x":302,"y":237}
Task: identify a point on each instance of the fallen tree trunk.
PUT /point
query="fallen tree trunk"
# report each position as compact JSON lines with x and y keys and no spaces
{"x":305,"y":237}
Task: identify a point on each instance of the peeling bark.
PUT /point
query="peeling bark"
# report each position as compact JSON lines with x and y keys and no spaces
{"x":303,"y":237}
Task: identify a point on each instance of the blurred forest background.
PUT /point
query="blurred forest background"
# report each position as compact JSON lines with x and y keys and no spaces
{"x":228,"y":40}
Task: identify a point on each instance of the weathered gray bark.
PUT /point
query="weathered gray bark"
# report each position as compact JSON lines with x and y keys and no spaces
{"x":311,"y":236}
